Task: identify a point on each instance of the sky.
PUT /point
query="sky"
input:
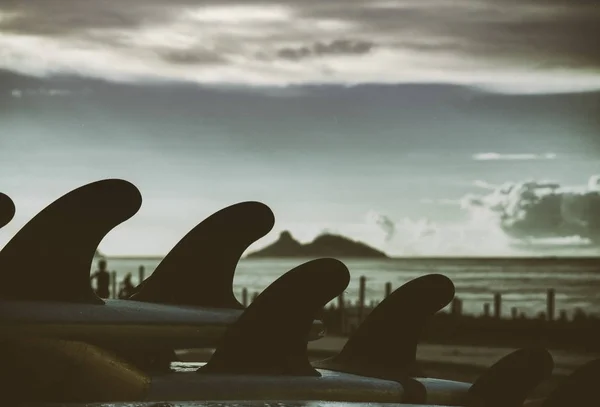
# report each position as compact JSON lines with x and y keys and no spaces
{"x":404,"y":124}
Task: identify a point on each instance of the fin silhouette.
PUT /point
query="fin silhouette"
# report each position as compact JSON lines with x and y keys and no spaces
{"x":509,"y":381}
{"x":7,"y":209}
{"x":50,"y":257}
{"x":385,"y":344}
{"x":199,"y":270}
{"x":580,"y":388}
{"x":271,"y":336}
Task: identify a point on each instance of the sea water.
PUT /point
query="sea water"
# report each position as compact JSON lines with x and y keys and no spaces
{"x":522,"y":285}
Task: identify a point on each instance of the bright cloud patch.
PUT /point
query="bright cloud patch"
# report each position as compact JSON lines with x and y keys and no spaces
{"x":509,"y":219}
{"x":539,"y":210}
{"x":18,"y":93}
{"x":508,"y":157}
{"x":240,"y":14}
{"x":423,"y":237}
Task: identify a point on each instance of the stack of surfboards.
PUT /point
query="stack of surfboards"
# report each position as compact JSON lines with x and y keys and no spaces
{"x":60,"y":343}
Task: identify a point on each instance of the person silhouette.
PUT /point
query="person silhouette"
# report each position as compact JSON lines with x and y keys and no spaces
{"x":126,"y":287}
{"x":102,"y":277}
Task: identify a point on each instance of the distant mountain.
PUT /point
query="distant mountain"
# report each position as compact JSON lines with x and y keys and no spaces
{"x":98,"y":254}
{"x":326,"y":245}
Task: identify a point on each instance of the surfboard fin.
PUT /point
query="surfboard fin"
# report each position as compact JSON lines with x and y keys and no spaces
{"x":7,"y":209}
{"x":508,"y":382}
{"x":271,"y":335}
{"x":50,"y":257}
{"x":385,"y":344}
{"x":199,"y":270}
{"x":580,"y":388}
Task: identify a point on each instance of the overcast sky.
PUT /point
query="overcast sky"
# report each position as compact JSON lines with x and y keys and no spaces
{"x":514,"y":45}
{"x":157,"y":93}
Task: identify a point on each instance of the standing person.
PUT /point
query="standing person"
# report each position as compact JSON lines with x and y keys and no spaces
{"x":102,"y":277}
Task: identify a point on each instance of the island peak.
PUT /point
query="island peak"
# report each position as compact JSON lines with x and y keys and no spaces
{"x":324,"y":245}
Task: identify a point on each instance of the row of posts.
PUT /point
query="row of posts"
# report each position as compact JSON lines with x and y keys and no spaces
{"x":550,"y":315}
{"x":455,"y":308}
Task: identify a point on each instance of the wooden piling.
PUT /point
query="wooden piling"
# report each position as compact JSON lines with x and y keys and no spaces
{"x":486,"y":310}
{"x":456,"y":307}
{"x":550,"y":295}
{"x":141,"y":272}
{"x":342,"y":310}
{"x":497,"y":305}
{"x":113,"y":277}
{"x":361,"y":298}
{"x":388,"y":289}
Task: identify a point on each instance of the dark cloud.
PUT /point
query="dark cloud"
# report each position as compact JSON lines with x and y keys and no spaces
{"x":558,"y":42}
{"x":193,"y":56}
{"x":336,"y":47}
{"x":554,"y":34}
{"x":65,"y":17}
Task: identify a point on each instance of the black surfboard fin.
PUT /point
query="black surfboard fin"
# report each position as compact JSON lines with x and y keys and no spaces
{"x":50,"y":257}
{"x":7,"y":209}
{"x":580,"y":388}
{"x":509,"y":381}
{"x":271,"y":335}
{"x":385,"y":344}
{"x":199,"y":270}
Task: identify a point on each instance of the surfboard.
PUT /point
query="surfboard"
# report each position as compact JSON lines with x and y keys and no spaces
{"x":188,"y":301}
{"x":278,"y":369}
{"x":235,"y":378}
{"x":249,"y":362}
{"x":142,"y":325}
{"x":61,"y":343}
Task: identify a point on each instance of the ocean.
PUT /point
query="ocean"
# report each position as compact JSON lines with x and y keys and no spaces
{"x":523,"y":283}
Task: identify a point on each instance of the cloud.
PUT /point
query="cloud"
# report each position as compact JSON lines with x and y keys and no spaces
{"x":21,"y":93}
{"x":513,"y":46}
{"x":382,"y":222}
{"x":336,"y":47}
{"x":450,"y":202}
{"x":531,"y":210}
{"x":485,"y":185}
{"x":423,"y":237}
{"x":510,"y":219}
{"x":509,"y":157}
{"x":191,"y":56}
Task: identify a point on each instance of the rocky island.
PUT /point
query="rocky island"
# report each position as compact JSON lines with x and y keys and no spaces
{"x":325,"y":245}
